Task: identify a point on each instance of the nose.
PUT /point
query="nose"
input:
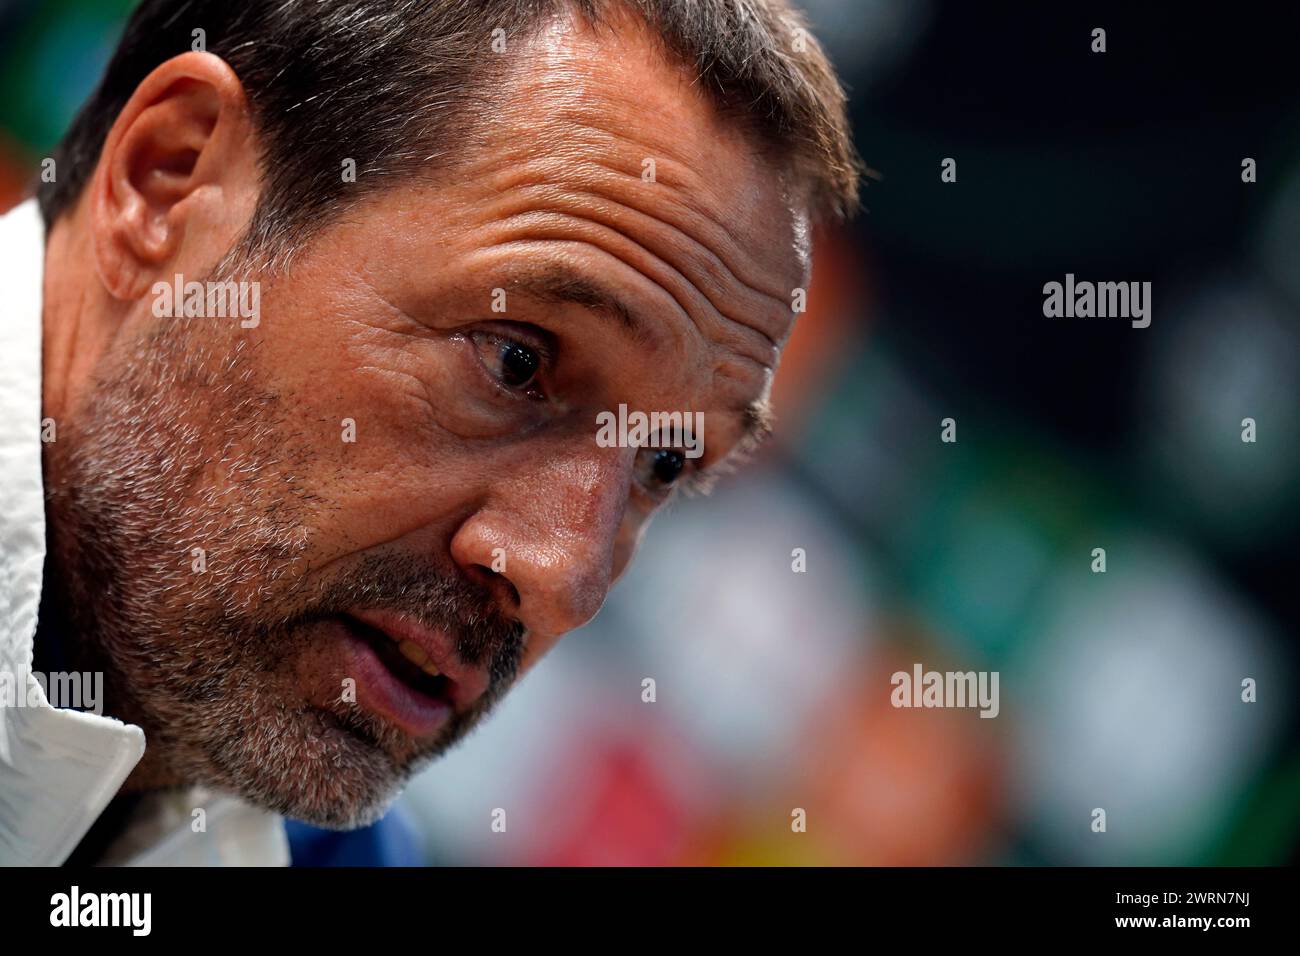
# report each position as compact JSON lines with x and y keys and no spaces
{"x":545,"y":539}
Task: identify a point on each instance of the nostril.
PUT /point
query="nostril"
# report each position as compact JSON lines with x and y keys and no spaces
{"x":496,"y":583}
{"x":480,"y":574}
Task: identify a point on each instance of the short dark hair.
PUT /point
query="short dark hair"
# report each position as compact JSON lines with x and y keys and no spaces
{"x":391,"y":83}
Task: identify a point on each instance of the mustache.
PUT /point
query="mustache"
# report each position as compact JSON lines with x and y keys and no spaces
{"x":483,"y":635}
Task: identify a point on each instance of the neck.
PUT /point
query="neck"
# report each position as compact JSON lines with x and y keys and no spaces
{"x":76,"y":318}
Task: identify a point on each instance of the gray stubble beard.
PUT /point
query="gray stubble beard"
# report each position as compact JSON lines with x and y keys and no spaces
{"x":180,"y":449}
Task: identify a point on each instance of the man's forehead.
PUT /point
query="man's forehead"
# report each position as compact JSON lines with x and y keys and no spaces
{"x":610,"y":95}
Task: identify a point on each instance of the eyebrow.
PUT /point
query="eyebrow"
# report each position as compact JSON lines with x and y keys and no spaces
{"x":559,"y":285}
{"x":759,"y":424}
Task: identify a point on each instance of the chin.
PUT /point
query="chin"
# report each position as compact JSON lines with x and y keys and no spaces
{"x":310,"y":765}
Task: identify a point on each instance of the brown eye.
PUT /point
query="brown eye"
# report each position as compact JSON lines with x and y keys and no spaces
{"x":657,"y":469}
{"x":667,"y":465}
{"x":519,"y":364}
{"x":514,"y":364}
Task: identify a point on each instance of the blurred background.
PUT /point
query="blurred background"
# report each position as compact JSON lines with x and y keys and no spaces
{"x":1119,"y":690}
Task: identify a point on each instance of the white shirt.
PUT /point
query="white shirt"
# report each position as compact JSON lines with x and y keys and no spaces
{"x":60,"y":768}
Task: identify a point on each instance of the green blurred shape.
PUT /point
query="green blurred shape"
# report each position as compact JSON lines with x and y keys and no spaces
{"x":52,"y":63}
{"x":1001,"y":516}
{"x":1266,"y":827}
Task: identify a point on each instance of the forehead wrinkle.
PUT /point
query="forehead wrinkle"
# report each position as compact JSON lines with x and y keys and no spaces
{"x":526,"y":169}
{"x":527,"y":241}
{"x":745,"y":341}
{"x":713,"y":281}
{"x":578,"y":151}
{"x":683,"y":190}
{"x":674,"y":169}
{"x":569,"y":87}
{"x":550,"y":227}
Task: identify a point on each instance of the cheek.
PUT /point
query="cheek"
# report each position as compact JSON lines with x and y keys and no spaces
{"x":369,"y":425}
{"x":381,"y":474}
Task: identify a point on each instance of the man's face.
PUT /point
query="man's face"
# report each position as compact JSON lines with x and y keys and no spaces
{"x":389,"y":468}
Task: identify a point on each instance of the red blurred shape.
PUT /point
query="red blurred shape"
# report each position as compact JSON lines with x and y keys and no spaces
{"x":618,"y":808}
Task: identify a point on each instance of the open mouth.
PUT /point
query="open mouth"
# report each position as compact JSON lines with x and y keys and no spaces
{"x":406,"y":660}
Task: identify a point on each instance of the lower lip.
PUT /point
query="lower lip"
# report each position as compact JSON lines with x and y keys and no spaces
{"x":381,"y":692}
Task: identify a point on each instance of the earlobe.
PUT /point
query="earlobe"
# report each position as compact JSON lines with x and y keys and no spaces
{"x":165,"y":156}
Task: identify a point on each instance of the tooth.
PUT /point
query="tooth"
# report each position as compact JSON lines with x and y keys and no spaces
{"x":431,"y":670}
{"x":413,"y":653}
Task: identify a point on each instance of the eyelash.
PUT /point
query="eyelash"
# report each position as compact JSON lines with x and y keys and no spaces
{"x":687,"y":482}
{"x":517,"y":336}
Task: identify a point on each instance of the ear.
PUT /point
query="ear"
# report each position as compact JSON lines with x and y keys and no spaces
{"x":181,"y":156}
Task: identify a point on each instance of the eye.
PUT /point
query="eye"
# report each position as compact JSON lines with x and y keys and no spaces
{"x":519,"y":364}
{"x":658,"y":468}
{"x":513,"y":363}
{"x":668,"y":464}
